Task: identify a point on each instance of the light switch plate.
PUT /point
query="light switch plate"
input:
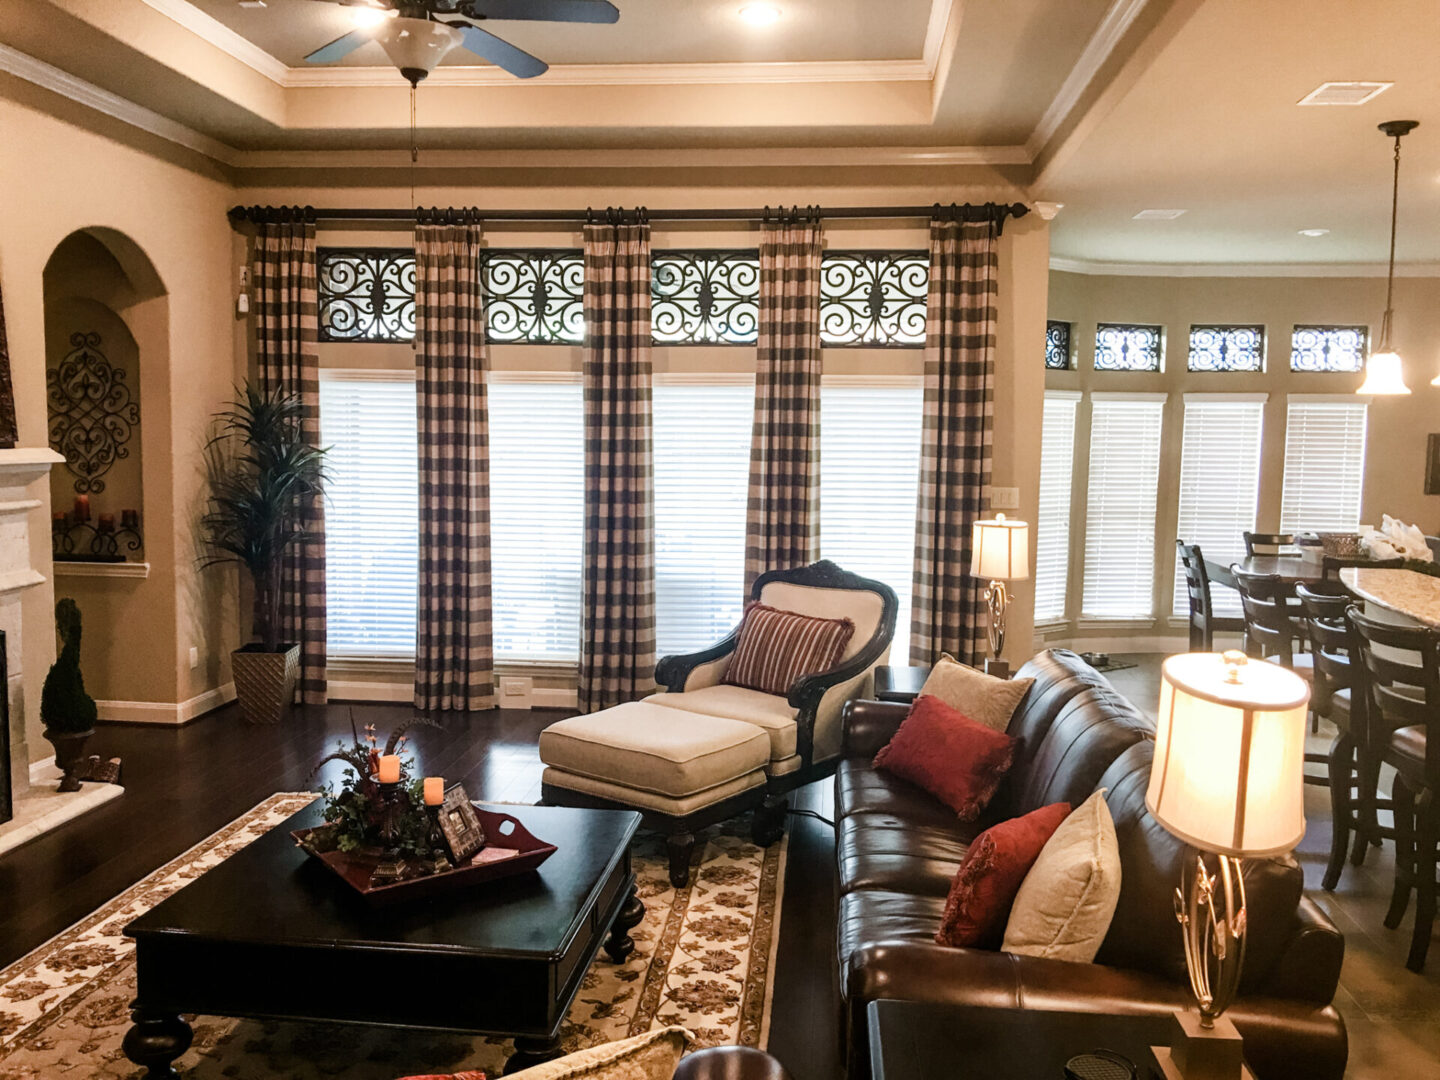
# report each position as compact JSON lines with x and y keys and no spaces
{"x":194,"y":658}
{"x":1004,"y":498}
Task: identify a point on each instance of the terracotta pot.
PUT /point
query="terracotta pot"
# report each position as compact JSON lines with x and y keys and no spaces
{"x":265,"y":681}
{"x":69,"y":755}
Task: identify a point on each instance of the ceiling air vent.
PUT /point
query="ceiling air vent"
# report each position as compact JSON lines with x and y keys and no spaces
{"x":1344,"y":93}
{"x":1158,"y":215}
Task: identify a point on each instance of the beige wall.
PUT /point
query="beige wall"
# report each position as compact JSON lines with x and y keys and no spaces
{"x":1395,"y":450}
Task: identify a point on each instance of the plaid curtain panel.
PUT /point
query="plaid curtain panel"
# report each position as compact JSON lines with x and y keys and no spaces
{"x":286,"y":332}
{"x":956,"y":439}
{"x":782,"y":520}
{"x":454,"y":650}
{"x":617,"y":635}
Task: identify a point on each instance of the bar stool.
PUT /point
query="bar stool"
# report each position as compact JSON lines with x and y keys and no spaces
{"x":1272,"y":542}
{"x":1404,"y":698}
{"x":1203,"y":620}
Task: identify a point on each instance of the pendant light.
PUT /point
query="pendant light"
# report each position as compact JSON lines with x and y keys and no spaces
{"x":1383,"y":371}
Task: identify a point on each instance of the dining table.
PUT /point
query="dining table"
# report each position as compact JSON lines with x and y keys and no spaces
{"x":1291,"y":569}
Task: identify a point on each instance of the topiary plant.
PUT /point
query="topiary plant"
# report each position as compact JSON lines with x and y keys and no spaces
{"x":65,"y":707}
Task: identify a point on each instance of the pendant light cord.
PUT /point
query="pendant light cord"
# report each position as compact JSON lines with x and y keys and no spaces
{"x":415,"y":157}
{"x":1390,"y":277}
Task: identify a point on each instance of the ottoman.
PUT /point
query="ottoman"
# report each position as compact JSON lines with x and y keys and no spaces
{"x":680,"y":770}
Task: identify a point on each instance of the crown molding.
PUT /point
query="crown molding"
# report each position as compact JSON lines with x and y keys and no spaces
{"x":1118,"y":19}
{"x":1241,"y":270}
{"x":941,"y":12}
{"x":48,"y":77}
{"x":221,"y":36}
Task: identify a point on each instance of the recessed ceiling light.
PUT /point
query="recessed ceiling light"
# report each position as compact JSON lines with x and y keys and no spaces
{"x":760,"y":14}
{"x":1314,"y":232}
{"x":370,"y":16}
{"x":1344,"y":93}
{"x":1158,"y":215}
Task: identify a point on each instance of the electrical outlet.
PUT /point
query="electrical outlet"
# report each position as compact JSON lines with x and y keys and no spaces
{"x":1004,"y":498}
{"x":194,"y":658}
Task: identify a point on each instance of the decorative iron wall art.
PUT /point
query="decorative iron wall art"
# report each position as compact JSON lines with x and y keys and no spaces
{"x":366,"y":294}
{"x":1329,"y":348}
{"x":1127,"y":347}
{"x":1057,"y":345}
{"x":1227,"y":348}
{"x":92,"y":412}
{"x":534,"y":297}
{"x":705,"y":297}
{"x":874,"y":298}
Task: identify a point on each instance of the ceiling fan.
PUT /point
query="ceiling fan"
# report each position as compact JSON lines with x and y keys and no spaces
{"x":417,"y":34}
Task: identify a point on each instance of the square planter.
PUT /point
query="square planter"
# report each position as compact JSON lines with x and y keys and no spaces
{"x":265,"y":681}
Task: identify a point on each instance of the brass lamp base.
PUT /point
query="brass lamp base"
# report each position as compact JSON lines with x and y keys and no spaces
{"x":997,"y":599}
{"x":1202,"y":1053}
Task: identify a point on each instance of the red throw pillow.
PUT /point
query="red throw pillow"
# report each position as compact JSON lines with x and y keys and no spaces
{"x":957,"y":760}
{"x":995,"y":866}
{"x":777,"y":647}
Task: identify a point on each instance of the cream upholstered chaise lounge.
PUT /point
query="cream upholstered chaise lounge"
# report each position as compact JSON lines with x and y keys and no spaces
{"x":701,"y":750}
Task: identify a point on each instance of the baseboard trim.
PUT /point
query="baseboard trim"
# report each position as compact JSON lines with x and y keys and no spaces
{"x":363,"y":691}
{"x":165,"y":713}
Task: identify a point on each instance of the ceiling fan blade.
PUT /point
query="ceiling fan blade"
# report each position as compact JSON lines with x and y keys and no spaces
{"x":501,"y":53}
{"x":340,"y":47}
{"x":581,"y":11}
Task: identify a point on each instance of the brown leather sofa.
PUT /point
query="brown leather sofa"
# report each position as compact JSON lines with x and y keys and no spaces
{"x":898,"y":848}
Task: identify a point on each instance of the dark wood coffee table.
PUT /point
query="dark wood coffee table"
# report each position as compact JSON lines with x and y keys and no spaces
{"x":272,"y":934}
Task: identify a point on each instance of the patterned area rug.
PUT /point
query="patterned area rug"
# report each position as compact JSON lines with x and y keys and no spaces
{"x":703,"y":958}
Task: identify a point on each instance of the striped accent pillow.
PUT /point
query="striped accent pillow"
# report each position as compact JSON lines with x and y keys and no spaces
{"x":777,"y":647}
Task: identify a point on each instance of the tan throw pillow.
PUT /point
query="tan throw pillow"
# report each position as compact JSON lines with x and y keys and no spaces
{"x":1065,"y":904}
{"x":983,"y":698}
{"x":652,"y":1056}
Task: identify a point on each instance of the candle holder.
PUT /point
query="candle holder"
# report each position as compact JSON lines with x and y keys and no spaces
{"x":391,"y":867}
{"x":439,"y":861}
{"x":74,"y":538}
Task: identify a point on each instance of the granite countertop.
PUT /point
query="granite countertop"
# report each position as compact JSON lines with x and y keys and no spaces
{"x":1402,"y":591}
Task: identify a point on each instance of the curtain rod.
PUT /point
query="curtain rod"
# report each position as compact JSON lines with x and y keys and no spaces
{"x":996,"y":212}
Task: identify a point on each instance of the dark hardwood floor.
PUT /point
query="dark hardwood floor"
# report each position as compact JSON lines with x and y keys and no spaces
{"x":181,"y":784}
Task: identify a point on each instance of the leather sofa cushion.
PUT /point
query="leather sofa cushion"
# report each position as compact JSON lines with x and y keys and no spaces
{"x":882,"y":851}
{"x":771,"y":712}
{"x":871,"y":915}
{"x":860,"y":788}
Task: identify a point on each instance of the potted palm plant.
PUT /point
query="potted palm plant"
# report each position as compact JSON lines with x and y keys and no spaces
{"x":262,"y":473}
{"x":66,"y":710}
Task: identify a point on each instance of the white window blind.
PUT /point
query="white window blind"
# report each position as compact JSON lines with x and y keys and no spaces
{"x":1052,"y":527}
{"x":702,"y":477}
{"x":1119,"y":577}
{"x":869,"y":476}
{"x":367,"y":420}
{"x":537,"y":463}
{"x":1324,"y":464}
{"x":1219,"y":484}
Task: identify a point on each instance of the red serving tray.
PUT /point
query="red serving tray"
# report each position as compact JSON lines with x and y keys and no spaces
{"x":505,"y":854}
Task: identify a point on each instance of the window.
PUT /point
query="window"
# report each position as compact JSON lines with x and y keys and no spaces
{"x":1057,"y":345}
{"x":1119,"y":578}
{"x":1328,"y":348}
{"x":705,"y":297}
{"x":366,"y":294}
{"x":1324,"y":463}
{"x":1219,"y":484}
{"x":367,"y":419}
{"x":537,"y":464}
{"x":702,"y":480}
{"x":1227,"y":348}
{"x":533,"y":297}
{"x":874,"y":298}
{"x":1052,"y":528}
{"x":1128,"y":347}
{"x":869,"y":481}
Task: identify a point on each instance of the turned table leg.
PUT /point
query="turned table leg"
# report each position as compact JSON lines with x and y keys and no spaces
{"x":618,"y":945}
{"x":530,"y":1052}
{"x":155,"y":1041}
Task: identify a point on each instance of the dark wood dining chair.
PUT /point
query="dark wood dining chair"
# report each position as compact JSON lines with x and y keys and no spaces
{"x":1404,"y":697}
{"x":1203,"y":620}
{"x":1274,"y":626}
{"x":1270,"y":542}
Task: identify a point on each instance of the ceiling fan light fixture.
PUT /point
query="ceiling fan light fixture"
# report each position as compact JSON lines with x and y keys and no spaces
{"x":364,"y":16}
{"x":760,"y":14}
{"x":416,"y":46}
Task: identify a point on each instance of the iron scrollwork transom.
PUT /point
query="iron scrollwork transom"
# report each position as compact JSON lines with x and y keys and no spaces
{"x":92,"y":412}
{"x":534,"y":297}
{"x":1329,"y":348}
{"x":874,"y":298}
{"x":1057,"y":345}
{"x":366,"y":294}
{"x":705,"y":297}
{"x":1127,"y":347}
{"x":1227,"y":348}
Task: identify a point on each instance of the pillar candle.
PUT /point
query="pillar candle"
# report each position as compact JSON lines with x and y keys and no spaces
{"x":129,"y":519}
{"x":82,"y":507}
{"x":388,"y":771}
{"x":434,"y":790}
{"x":107,"y":523}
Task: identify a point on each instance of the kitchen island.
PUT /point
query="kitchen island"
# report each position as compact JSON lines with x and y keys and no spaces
{"x":1398,"y":596}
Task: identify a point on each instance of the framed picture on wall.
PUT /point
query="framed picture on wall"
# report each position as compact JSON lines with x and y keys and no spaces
{"x":1432,"y":466}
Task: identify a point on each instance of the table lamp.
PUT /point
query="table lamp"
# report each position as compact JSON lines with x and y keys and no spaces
{"x":1228,"y":779}
{"x":1000,"y":551}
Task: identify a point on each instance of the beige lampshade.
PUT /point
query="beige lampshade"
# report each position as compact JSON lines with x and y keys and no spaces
{"x":1229,"y":763}
{"x":1000,"y":548}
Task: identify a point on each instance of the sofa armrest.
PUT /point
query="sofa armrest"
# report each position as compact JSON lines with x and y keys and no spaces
{"x":869,"y":725}
{"x":1283,"y":1037}
{"x":674,"y":673}
{"x":1309,"y":966}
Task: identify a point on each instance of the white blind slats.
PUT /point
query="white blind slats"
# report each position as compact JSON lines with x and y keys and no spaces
{"x":1119,"y":578}
{"x":869,"y":477}
{"x":1052,"y":527}
{"x":1219,"y":487}
{"x":1324,"y":465}
{"x":371,"y":513}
